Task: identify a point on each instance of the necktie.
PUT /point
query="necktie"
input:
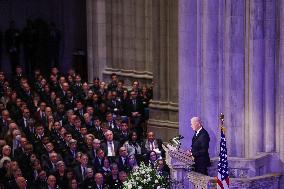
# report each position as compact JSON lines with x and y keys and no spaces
{"x":74,"y":154}
{"x":84,"y":173}
{"x":134,"y":104}
{"x":35,"y":175}
{"x":135,"y":148}
{"x":123,"y":161}
{"x":152,"y":145}
{"x":112,"y":149}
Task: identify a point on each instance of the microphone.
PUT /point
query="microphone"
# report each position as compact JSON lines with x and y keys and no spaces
{"x":181,"y":137}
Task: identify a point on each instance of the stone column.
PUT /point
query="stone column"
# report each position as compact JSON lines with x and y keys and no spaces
{"x":280,"y":91}
{"x":128,"y":35}
{"x":210,"y":64}
{"x":188,"y":30}
{"x":256,"y":57}
{"x":90,"y":33}
{"x":280,"y":88}
{"x":172,"y":69}
{"x":148,"y":36}
{"x":234,"y":76}
{"x":96,"y":32}
{"x":269,"y":75}
{"x":164,"y":108}
{"x":140,"y":35}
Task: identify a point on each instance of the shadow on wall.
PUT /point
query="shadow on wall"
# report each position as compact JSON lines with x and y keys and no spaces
{"x":50,"y":32}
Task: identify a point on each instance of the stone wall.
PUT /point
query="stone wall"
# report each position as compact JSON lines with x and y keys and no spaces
{"x":137,"y":39}
{"x":204,"y":57}
{"x":234,"y":52}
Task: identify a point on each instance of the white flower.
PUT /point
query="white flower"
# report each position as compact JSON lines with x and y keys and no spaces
{"x":156,"y":181}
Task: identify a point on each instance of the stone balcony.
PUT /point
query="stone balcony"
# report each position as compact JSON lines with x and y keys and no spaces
{"x":261,"y":172}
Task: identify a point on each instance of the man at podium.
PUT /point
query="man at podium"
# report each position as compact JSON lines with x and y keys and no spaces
{"x":200,"y":146}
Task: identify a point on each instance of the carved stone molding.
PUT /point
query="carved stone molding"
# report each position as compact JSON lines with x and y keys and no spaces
{"x":129,"y":76}
{"x":164,"y":105}
{"x":130,"y":73}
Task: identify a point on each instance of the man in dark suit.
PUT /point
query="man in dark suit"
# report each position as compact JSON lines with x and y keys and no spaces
{"x":70,"y":153}
{"x":135,"y":110}
{"x":23,"y":122}
{"x":40,"y":114}
{"x":122,"y":159}
{"x":153,"y":144}
{"x":110,"y":146}
{"x":99,"y":181}
{"x":5,"y":116}
{"x":80,"y":110}
{"x":81,"y":170}
{"x":114,"y":104}
{"x":99,"y":159}
{"x":200,"y":146}
{"x":124,"y":133}
{"x":92,"y":153}
{"x":50,"y":165}
{"x":111,"y":123}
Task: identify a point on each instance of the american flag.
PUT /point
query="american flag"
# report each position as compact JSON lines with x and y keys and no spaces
{"x":223,"y":172}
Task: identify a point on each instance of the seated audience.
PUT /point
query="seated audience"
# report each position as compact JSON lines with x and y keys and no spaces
{"x":61,"y":132}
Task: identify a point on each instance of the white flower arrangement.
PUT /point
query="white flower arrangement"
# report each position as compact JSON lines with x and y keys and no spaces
{"x":145,"y":177}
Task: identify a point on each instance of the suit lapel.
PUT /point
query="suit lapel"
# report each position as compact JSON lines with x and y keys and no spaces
{"x":196,"y":137}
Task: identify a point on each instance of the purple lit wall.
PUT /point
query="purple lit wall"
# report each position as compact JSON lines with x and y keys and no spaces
{"x":230,"y":62}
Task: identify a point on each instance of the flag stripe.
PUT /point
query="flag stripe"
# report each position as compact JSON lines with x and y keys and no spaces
{"x":220,"y":185}
{"x":223,"y":170}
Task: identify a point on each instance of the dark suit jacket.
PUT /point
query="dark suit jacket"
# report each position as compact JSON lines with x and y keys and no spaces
{"x":115,"y":144}
{"x":21,"y":123}
{"x":77,"y":112}
{"x":130,"y":107}
{"x":146,"y":148}
{"x":69,"y":159}
{"x":121,"y":166}
{"x":122,"y":138}
{"x":114,"y":106}
{"x":78,"y":174}
{"x":3,"y":128}
{"x":199,"y":148}
{"x":97,"y":165}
